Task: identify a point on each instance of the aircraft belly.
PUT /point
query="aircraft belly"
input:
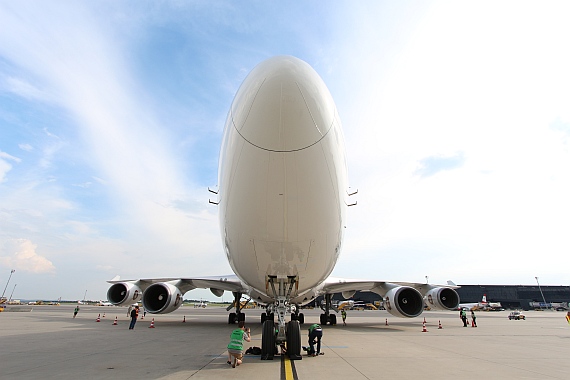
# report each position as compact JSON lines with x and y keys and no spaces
{"x":288,"y":218}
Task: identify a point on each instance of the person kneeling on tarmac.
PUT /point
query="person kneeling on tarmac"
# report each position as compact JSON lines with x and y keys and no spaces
{"x":315,"y":335}
{"x":235,"y":347}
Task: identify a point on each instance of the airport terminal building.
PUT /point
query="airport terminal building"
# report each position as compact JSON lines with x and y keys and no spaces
{"x":525,"y":297}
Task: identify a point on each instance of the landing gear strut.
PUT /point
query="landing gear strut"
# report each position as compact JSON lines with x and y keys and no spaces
{"x":238,"y":316}
{"x":280,"y":333}
{"x":327,"y":317}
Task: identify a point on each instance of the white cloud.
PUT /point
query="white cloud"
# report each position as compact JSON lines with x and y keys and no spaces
{"x":20,"y":254}
{"x":26,"y":147}
{"x":5,"y":167}
{"x":24,"y":89}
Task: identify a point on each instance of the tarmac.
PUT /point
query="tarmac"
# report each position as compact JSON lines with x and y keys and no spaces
{"x":48,"y":343}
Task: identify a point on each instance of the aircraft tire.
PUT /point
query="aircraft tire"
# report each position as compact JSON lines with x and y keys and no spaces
{"x":301,"y":318}
{"x":231,"y":318}
{"x":268,"y":340}
{"x":241,"y":317}
{"x":294,"y":340}
{"x":333,"y":319}
{"x":263,"y":317}
{"x":323,"y":319}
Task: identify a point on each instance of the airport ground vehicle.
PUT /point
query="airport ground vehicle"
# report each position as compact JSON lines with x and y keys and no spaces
{"x":516,"y":315}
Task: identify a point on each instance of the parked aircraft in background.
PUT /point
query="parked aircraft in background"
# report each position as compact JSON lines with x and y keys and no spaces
{"x":283,"y":197}
{"x":104,"y":303}
{"x":483,"y":305}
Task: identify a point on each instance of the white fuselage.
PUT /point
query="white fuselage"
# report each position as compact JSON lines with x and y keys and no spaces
{"x":282,"y":177}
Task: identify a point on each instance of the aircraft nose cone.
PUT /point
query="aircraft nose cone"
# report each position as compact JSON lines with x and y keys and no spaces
{"x":283,"y":105}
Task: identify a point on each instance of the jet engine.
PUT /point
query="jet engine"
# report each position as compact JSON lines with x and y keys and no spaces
{"x":124,"y":293}
{"x":442,"y":299}
{"x":404,"y":301}
{"x":161,"y":298}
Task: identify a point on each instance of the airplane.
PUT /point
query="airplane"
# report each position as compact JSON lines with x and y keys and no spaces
{"x":283,"y":196}
{"x":105,"y":303}
{"x":483,"y":305}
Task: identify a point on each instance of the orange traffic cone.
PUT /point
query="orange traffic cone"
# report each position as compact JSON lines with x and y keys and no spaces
{"x":424,"y":329}
{"x":386,"y":321}
{"x":151,"y":324}
{"x":184,"y":320}
{"x":473,"y":323}
{"x":439,"y":326}
{"x":115,"y":323}
{"x":98,"y":318}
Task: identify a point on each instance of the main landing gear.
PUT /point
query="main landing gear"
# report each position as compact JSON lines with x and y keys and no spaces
{"x":281,"y":334}
{"x":327,"y":317}
{"x":238,"y":316}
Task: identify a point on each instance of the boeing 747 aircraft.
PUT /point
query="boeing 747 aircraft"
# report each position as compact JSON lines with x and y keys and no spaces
{"x":283,"y":197}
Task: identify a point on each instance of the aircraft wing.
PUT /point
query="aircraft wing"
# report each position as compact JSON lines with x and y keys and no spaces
{"x":343,"y":285}
{"x":401,"y":298}
{"x":217,"y":284}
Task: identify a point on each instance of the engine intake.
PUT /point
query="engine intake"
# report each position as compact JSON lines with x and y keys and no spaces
{"x":161,"y":298}
{"x":124,"y":293}
{"x":442,"y":299}
{"x":404,"y":301}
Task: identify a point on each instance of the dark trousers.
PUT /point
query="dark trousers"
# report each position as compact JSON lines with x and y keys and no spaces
{"x":315,"y":337}
{"x":132,"y":325}
{"x":464,"y":321}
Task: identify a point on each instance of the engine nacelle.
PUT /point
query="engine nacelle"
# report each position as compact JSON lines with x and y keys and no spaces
{"x":124,"y":293}
{"x":442,"y":299}
{"x":404,"y":301}
{"x":161,"y":298}
{"x":217,"y":292}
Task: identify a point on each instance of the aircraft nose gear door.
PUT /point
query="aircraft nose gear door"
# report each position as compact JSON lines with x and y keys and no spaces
{"x":281,"y":333}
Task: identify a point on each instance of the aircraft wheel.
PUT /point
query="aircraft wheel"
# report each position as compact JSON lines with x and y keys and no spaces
{"x":323,"y":319}
{"x":231,"y":318}
{"x":294,"y":340}
{"x":241,"y":317}
{"x":333,"y":319}
{"x":301,"y":318}
{"x":263,"y":317}
{"x":268,"y":340}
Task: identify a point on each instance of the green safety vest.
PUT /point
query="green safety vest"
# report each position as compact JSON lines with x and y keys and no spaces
{"x":236,"y":340}
{"x":313,"y":327}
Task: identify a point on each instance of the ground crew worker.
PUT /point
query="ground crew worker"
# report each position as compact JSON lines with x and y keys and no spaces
{"x":235,"y":348}
{"x":134,"y":316}
{"x":315,"y":335}
{"x":473,"y":319}
{"x":75,"y":311}
{"x":343,"y":314}
{"x":464,"y":317}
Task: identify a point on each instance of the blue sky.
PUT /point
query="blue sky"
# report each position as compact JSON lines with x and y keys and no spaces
{"x":455,"y":116}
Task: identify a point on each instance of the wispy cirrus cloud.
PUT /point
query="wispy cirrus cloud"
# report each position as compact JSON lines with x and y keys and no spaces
{"x":5,"y":166}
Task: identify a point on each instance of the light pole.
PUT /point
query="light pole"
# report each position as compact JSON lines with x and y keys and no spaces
{"x":544,"y":299}
{"x":10,"y":299}
{"x":12,"y":271}
{"x":85,"y":295}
